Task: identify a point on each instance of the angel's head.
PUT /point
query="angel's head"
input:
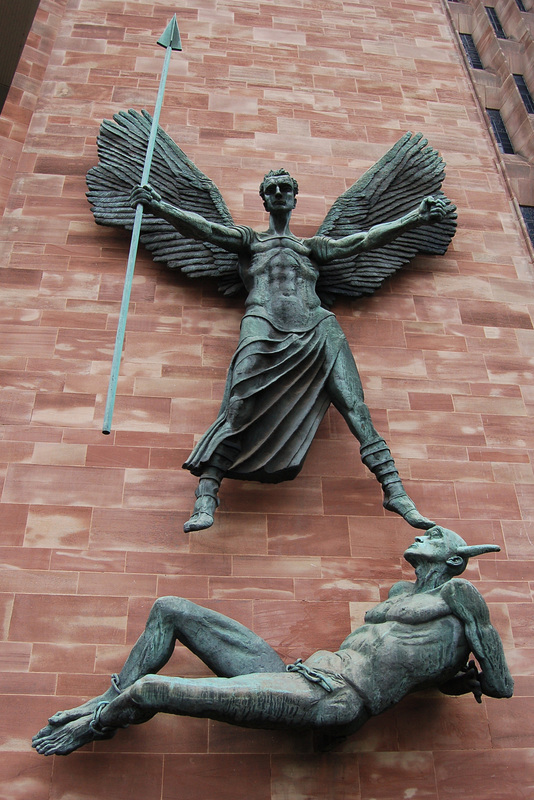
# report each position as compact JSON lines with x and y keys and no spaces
{"x":278,"y":190}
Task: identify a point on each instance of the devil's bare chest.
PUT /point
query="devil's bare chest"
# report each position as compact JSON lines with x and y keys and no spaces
{"x":413,"y":608}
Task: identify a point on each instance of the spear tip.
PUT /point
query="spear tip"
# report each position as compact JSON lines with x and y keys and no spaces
{"x":171,"y":36}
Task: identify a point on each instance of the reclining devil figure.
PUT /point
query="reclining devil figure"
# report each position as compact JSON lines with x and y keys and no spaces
{"x":420,"y":637}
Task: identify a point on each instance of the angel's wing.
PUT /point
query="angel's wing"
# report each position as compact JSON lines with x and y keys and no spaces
{"x":395,"y":185}
{"x":122,"y":144}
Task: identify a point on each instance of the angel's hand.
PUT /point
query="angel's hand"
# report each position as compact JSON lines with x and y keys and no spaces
{"x":146,"y":195}
{"x":432,"y":209}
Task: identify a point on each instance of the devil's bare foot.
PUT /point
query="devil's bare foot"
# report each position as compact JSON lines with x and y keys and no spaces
{"x":43,"y":733}
{"x":404,"y":506}
{"x":64,"y":739}
{"x":86,"y":709}
{"x":202,"y":516}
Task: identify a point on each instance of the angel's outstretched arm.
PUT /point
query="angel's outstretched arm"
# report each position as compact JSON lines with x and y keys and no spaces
{"x":189,"y":224}
{"x":431,"y":209}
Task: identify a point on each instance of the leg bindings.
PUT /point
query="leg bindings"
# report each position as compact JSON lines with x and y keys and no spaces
{"x":209,"y":484}
{"x":377,"y":457}
{"x":206,"y":503}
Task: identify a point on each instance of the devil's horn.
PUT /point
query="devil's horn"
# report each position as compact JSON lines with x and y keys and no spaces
{"x":477,"y":550}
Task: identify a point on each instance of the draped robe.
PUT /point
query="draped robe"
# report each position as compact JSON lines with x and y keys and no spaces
{"x":274,"y":400}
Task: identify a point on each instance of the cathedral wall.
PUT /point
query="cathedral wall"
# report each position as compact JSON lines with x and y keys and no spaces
{"x":92,"y":525}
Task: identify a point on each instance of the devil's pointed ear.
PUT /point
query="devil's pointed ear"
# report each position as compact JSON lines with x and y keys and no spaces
{"x":455,"y":562}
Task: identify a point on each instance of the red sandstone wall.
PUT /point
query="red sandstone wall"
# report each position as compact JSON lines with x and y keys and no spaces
{"x":91,"y":525}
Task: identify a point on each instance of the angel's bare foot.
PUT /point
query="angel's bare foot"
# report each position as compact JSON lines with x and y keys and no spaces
{"x":203,"y":512}
{"x":64,"y":739}
{"x":404,"y":506}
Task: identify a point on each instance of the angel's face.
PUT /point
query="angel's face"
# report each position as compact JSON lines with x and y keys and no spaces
{"x":279,"y":195}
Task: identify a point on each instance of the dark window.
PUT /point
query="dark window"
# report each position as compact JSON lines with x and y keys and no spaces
{"x":524,"y":92}
{"x":519,"y":4}
{"x":499,"y":129}
{"x":495,"y":22}
{"x":528,"y":216}
{"x":471,"y":51}
{"x":17,"y":20}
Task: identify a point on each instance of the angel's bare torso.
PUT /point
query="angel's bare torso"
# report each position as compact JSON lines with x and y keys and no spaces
{"x":279,"y":270}
{"x":280,"y":278}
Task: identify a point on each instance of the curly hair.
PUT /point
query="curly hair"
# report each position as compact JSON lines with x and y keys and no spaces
{"x":274,"y":173}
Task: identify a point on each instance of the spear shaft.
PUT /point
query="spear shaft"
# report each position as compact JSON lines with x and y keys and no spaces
{"x":171,"y":41}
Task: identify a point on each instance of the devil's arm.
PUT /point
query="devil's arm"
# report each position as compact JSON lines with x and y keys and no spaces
{"x":469,"y":606}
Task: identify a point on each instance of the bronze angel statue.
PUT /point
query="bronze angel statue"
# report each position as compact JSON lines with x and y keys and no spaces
{"x":292,"y":359}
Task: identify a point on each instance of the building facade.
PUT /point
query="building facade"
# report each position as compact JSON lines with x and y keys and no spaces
{"x":92,"y":525}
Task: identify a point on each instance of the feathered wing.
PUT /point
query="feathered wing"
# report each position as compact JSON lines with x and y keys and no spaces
{"x":395,"y":185}
{"x":122,"y":145}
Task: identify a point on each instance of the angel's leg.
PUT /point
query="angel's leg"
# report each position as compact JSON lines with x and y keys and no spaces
{"x":206,"y":494}
{"x":346,"y":392}
{"x":235,"y":412}
{"x":207,"y":501}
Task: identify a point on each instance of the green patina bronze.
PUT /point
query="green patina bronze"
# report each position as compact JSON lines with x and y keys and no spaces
{"x":170,"y":40}
{"x":420,"y":637}
{"x":292,"y":359}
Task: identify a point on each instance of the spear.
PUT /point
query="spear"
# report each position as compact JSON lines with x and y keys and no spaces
{"x":170,"y":39}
